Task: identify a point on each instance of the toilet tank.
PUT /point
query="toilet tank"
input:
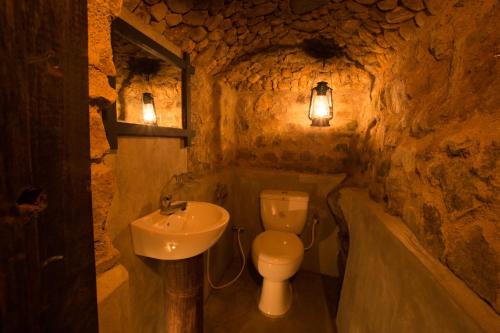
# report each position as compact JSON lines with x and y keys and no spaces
{"x":284,"y":210}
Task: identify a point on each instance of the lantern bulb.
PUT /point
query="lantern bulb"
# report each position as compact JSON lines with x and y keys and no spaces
{"x":148,"y":109}
{"x":321,"y":107}
{"x":149,"y":113}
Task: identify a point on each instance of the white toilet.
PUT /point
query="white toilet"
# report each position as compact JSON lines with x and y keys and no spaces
{"x":277,"y":252}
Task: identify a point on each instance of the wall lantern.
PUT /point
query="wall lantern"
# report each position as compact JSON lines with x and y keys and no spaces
{"x":148,"y":109}
{"x":321,"y":105}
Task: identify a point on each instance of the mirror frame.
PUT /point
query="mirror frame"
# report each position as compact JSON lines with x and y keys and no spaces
{"x":127,"y":26}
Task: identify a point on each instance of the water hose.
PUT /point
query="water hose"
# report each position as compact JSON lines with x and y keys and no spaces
{"x":313,"y":229}
{"x":238,"y":230}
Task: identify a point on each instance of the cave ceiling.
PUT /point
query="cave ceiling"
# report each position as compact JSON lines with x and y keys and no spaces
{"x":234,"y":36}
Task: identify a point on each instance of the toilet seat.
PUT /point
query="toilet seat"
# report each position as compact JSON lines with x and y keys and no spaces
{"x":278,"y":247}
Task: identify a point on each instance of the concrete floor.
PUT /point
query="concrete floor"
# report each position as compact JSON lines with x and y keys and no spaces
{"x":235,"y":308}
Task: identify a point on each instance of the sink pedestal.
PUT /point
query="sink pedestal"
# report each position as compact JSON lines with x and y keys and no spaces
{"x":184,"y":295}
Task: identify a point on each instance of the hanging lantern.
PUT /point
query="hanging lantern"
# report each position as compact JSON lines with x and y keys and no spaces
{"x":321,"y":105}
{"x":148,"y":109}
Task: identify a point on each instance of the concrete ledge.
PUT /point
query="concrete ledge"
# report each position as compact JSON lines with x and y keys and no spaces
{"x":113,"y":300}
{"x":393,"y":285}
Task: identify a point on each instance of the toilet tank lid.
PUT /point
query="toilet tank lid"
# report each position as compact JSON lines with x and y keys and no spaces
{"x":285,"y":195}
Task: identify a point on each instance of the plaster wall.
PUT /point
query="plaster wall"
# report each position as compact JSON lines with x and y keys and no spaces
{"x":216,"y":187}
{"x":142,"y":167}
{"x":392,"y":284}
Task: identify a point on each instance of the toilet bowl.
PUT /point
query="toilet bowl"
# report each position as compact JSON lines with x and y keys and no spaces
{"x":277,"y":252}
{"x":277,"y":255}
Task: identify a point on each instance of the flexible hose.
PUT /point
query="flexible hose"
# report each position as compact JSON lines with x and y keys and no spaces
{"x":239,"y":229}
{"x":313,"y":228}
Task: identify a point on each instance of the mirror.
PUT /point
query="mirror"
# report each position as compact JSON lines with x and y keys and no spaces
{"x":149,"y":89}
{"x":152,"y":84}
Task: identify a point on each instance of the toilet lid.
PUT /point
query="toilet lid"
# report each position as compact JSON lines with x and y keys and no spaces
{"x":277,"y":247}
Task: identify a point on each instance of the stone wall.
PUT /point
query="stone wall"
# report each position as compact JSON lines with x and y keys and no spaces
{"x":217,"y":32}
{"x":416,"y":99}
{"x":433,"y":155}
{"x":393,"y":285}
{"x":272,"y":121}
{"x":213,"y":105}
{"x":427,"y":145}
{"x":101,"y":66}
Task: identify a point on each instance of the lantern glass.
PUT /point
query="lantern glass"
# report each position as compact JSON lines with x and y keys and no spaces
{"x":148,"y":109}
{"x":321,"y":105}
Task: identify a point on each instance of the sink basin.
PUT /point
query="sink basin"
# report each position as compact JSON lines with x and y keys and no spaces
{"x":181,"y":235}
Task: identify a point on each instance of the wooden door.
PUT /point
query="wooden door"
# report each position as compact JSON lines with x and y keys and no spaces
{"x":47,"y":273}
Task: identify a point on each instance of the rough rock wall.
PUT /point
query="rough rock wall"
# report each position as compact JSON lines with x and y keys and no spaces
{"x":100,"y":14}
{"x":431,"y":150}
{"x":272,"y":121}
{"x":217,"y":32}
{"x":433,"y":156}
{"x":213,"y":107}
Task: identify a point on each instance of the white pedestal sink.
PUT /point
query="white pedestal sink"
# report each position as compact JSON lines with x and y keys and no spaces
{"x":184,"y":234}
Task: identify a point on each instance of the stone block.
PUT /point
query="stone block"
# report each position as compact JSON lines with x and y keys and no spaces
{"x":215,"y":35}
{"x":398,"y":15}
{"x":159,"y":27}
{"x":131,"y":4}
{"x":421,"y":19}
{"x":300,"y":7}
{"x":309,"y":26}
{"x":180,"y":6}
{"x":407,"y":30}
{"x":173,"y":19}
{"x":159,"y":11}
{"x":262,"y":9}
{"x":366,"y":2}
{"x":415,"y":5}
{"x":99,"y":145}
{"x":215,"y":6}
{"x":356,"y":7}
{"x":99,"y":87}
{"x":197,"y":34}
{"x":195,"y":17}
{"x":213,"y":22}
{"x":434,"y":6}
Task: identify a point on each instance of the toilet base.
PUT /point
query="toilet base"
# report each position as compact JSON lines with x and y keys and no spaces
{"x":275,"y":298}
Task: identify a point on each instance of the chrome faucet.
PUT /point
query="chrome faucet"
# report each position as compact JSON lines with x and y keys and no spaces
{"x":168,"y":208}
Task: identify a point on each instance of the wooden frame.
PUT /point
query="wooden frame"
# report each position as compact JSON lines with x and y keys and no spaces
{"x":127,"y":26}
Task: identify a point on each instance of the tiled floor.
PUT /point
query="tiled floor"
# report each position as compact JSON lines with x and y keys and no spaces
{"x":234,"y":309}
